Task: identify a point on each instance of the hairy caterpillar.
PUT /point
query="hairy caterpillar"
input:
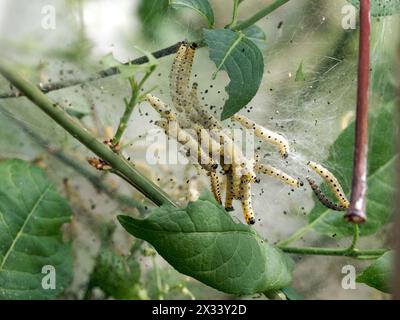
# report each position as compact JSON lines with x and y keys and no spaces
{"x":229,"y":192}
{"x":180,"y":76}
{"x":161,"y":108}
{"x":332,"y":182}
{"x":245,"y":201}
{"x":265,"y":134}
{"x":212,"y":147}
{"x":206,"y":118}
{"x":215,"y":187}
{"x":236,"y":182}
{"x":173,"y":130}
{"x":276,"y":173}
{"x":323,"y":198}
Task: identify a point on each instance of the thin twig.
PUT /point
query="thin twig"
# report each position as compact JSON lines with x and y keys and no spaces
{"x":259,"y":15}
{"x":344,"y":252}
{"x":117,"y":162}
{"x":234,"y":14}
{"x":100,"y":75}
{"x":356,"y":212}
{"x":129,"y":106}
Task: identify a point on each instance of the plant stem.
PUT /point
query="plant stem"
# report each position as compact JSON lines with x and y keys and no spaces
{"x":129,"y":106}
{"x":259,"y":15}
{"x":356,"y":212}
{"x":234,"y":14}
{"x":346,"y":252}
{"x":123,"y":123}
{"x":355,"y":237}
{"x":117,"y":162}
{"x":299,"y":233}
{"x":160,"y":295}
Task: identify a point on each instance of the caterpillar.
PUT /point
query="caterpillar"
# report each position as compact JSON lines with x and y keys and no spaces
{"x":245,"y":201}
{"x":212,"y":147}
{"x":265,"y":134}
{"x":324,"y":199}
{"x":239,"y":165}
{"x":236,"y":181}
{"x":276,"y":173}
{"x":215,"y":187}
{"x":180,"y":76}
{"x":206,"y":118}
{"x":173,"y":130}
{"x":229,"y":192}
{"x":332,"y":182}
{"x":161,"y":108}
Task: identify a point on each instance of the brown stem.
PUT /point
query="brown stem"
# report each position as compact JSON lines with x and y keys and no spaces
{"x":356,"y":212}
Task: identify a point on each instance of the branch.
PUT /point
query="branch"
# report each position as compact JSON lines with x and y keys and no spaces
{"x":117,"y":162}
{"x":100,"y":75}
{"x":234,"y":14}
{"x":259,"y":15}
{"x":356,"y":212}
{"x":344,"y":252}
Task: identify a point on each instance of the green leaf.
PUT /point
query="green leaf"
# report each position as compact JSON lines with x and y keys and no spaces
{"x":202,"y":7}
{"x":242,"y":60}
{"x":204,"y":242}
{"x":151,"y":14}
{"x":257,"y":35}
{"x":378,"y":274}
{"x":129,"y":70}
{"x":117,"y":276}
{"x":381,"y":7}
{"x":380,"y":176}
{"x":31,"y":216}
{"x":300,"y":74}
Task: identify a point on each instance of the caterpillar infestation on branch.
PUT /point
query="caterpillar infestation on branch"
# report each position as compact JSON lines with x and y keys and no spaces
{"x":209,"y":145}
